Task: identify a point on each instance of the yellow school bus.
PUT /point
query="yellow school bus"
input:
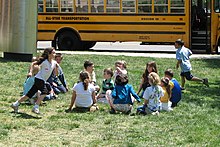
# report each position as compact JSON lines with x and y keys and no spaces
{"x":79,"y":24}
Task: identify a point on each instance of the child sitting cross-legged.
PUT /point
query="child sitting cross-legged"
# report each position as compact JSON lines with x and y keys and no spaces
{"x":107,"y":84}
{"x":152,"y":96}
{"x":120,"y":97}
{"x":83,"y":95}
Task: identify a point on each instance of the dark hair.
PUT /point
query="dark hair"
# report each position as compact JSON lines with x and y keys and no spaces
{"x":154,"y":69}
{"x":166,"y":81}
{"x":109,"y":71}
{"x":121,"y":79}
{"x":179,"y":42}
{"x":87,"y":64}
{"x":84,"y":77}
{"x":45,"y":55}
{"x":169,"y":72}
{"x":59,"y":55}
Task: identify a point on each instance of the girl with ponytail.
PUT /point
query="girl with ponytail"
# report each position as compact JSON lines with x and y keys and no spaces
{"x":165,"y":100}
{"x":83,"y":95}
{"x":47,"y":66}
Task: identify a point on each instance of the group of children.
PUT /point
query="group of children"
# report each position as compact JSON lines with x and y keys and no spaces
{"x":158,"y":93}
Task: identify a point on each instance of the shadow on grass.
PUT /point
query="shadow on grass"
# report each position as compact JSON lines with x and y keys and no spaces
{"x":78,"y":110}
{"x":26,"y":116}
{"x":204,"y":95}
{"x":214,"y":63}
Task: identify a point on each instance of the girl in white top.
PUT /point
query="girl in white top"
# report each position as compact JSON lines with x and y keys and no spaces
{"x":47,"y":66}
{"x":83,"y":92}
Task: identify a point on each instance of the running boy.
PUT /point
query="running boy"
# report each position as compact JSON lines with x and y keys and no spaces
{"x":183,"y":60}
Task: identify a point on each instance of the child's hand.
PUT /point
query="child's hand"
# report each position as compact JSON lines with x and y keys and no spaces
{"x":29,"y":74}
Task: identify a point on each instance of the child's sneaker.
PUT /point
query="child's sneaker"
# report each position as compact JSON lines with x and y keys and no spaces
{"x":156,"y":113}
{"x":112,"y":111}
{"x":206,"y":82}
{"x":36,"y":110}
{"x":170,"y":109}
{"x":182,"y":88}
{"x":15,"y":108}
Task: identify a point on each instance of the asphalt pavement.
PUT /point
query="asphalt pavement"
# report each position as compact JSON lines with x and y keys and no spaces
{"x":130,"y":49}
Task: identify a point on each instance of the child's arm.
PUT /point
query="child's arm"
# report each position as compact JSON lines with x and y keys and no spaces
{"x":178,"y":63}
{"x":145,"y":102}
{"x":72,"y":100}
{"x":140,"y":87}
{"x":56,"y":69}
{"x":135,"y":95}
{"x":93,"y":97}
{"x":31,"y":68}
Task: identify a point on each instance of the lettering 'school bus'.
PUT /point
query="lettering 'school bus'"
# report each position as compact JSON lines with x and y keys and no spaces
{"x":79,"y":24}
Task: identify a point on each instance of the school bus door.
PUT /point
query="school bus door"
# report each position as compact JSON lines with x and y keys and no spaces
{"x":201,"y":26}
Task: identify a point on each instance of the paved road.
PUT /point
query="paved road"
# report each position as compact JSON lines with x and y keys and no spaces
{"x":115,"y":49}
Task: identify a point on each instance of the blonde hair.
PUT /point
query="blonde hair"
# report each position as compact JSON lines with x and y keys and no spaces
{"x":154,"y":78}
{"x":85,"y":78}
{"x":121,"y":62}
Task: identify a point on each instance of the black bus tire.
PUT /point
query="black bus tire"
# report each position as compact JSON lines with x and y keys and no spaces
{"x":88,"y":44}
{"x":67,"y":40}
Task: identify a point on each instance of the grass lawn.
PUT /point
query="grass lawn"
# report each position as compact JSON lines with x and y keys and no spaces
{"x":195,"y":122}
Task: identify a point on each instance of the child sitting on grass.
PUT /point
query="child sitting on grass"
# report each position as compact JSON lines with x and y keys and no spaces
{"x":83,"y":95}
{"x":120,"y":68}
{"x":176,"y":90}
{"x":165,"y":100}
{"x":107,"y":84}
{"x":152,"y":96}
{"x":89,"y":67}
{"x":120,"y":97}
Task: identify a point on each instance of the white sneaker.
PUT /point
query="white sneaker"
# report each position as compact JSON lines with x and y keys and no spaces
{"x":156,"y":113}
{"x":170,"y":109}
{"x":36,"y":110}
{"x":15,"y":108}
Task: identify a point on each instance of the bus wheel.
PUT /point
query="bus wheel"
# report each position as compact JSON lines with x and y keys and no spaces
{"x":68,"y":41}
{"x":88,"y":44}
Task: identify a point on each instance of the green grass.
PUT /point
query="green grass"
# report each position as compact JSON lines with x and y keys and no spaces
{"x":195,"y":122}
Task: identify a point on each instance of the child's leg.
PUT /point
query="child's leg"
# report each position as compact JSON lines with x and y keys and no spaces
{"x":109,"y":98}
{"x":40,"y":99}
{"x":183,"y":80}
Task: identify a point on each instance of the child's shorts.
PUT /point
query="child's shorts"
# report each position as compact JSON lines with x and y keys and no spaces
{"x":187,"y":75}
{"x":122,"y":107}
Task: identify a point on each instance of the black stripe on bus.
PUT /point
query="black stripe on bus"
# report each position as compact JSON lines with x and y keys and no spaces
{"x":130,"y":32}
{"x":48,"y":31}
{"x":115,"y":23}
{"x":111,"y":14}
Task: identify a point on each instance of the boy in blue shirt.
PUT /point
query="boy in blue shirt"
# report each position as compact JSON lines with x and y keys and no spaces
{"x":176,"y":94}
{"x":183,"y":61}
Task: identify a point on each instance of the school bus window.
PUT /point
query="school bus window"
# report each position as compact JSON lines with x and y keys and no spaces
{"x":217,"y":6}
{"x":81,"y":5}
{"x":113,"y":6}
{"x":40,"y":6}
{"x":161,"y":6}
{"x":128,"y":6}
{"x":66,"y":5}
{"x":51,"y":5}
{"x":97,"y":6}
{"x":177,"y":6}
{"x":144,"y":6}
